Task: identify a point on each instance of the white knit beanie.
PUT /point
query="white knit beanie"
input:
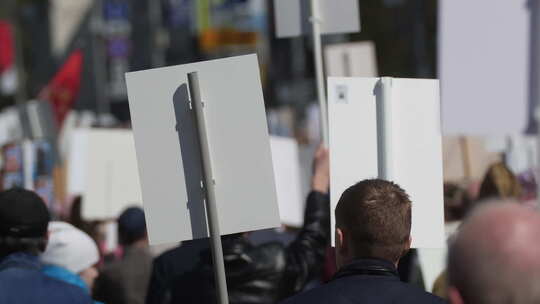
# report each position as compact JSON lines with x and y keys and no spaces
{"x":70,"y":248}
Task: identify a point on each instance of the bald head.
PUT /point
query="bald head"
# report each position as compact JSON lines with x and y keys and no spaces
{"x":495,"y":257}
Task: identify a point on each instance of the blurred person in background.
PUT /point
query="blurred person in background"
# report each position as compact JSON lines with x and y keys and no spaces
{"x":499,"y":182}
{"x":457,"y":204}
{"x":168,"y":267}
{"x":372,"y":233}
{"x":126,"y":281}
{"x":93,"y":228}
{"x":494,"y":258}
{"x":76,"y":219}
{"x":265,"y":273}
{"x":71,"y":256}
{"x":24,"y":219}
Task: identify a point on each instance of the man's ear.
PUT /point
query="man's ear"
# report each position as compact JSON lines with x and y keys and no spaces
{"x":406,"y":248}
{"x":454,"y":297}
{"x":341,"y":245}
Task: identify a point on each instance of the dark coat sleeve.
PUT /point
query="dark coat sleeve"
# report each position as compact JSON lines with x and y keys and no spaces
{"x":158,"y":288}
{"x":305,"y":255}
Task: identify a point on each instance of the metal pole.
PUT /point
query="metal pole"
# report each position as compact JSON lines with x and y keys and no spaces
{"x":319,"y":71}
{"x":21,"y":94}
{"x":99,"y":58}
{"x":155,"y":21}
{"x":209,"y":184}
{"x":534,"y":76}
{"x":384,"y":129}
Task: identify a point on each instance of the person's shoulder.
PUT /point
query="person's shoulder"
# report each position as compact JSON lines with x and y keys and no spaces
{"x":71,"y":292}
{"x":326,"y":293}
{"x":17,"y":282}
{"x":418,"y":295}
{"x":183,"y":250}
{"x":365,"y":288}
{"x":409,"y":293}
{"x":63,"y":292}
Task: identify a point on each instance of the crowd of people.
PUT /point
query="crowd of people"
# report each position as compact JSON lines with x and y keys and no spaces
{"x":493,"y":256}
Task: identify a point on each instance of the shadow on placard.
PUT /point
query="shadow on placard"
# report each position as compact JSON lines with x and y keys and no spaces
{"x":378,"y":92}
{"x":189,"y":146}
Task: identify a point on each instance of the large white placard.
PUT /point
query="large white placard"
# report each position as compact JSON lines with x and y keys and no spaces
{"x":292,"y":17}
{"x":416,"y":154}
{"x":483,"y":66}
{"x":287,"y":175}
{"x":169,"y":159}
{"x":112,"y":182}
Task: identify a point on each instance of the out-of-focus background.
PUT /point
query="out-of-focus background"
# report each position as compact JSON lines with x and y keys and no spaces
{"x":64,"y":114}
{"x":74,"y":54}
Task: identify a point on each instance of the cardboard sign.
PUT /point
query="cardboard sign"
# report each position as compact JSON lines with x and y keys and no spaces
{"x":484,"y":66}
{"x":356,"y":59}
{"x":466,"y":158}
{"x":416,"y":154}
{"x":111,"y":182}
{"x":168,"y":152}
{"x":292,"y":17}
{"x":287,"y":175}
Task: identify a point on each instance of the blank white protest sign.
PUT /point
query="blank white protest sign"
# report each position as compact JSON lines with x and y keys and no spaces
{"x":483,"y":66}
{"x":168,"y":156}
{"x":416,"y":156}
{"x":287,"y":175}
{"x":111,"y":182}
{"x":292,"y":17}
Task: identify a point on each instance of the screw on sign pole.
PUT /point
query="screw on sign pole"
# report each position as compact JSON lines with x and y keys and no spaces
{"x":384,"y":129}
{"x":209,"y":185}
{"x":316,"y":21}
{"x":534,"y":75}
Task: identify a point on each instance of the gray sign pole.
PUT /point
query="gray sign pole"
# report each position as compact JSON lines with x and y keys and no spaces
{"x":319,"y":69}
{"x":197,"y":105}
{"x":534,"y":75}
{"x":384,"y":129}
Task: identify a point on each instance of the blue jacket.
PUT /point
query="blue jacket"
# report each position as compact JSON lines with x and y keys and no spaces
{"x":67,"y":276}
{"x":366,"y":281}
{"x":22,"y":282}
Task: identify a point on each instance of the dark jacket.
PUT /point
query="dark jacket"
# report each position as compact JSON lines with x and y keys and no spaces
{"x":125,"y":281}
{"x":170,"y":266}
{"x":265,"y":273}
{"x":21,"y":281}
{"x":366,"y":281}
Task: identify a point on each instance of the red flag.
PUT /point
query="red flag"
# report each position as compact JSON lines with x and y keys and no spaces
{"x":62,"y":91}
{"x":6,"y":46}
{"x":8,"y":75}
